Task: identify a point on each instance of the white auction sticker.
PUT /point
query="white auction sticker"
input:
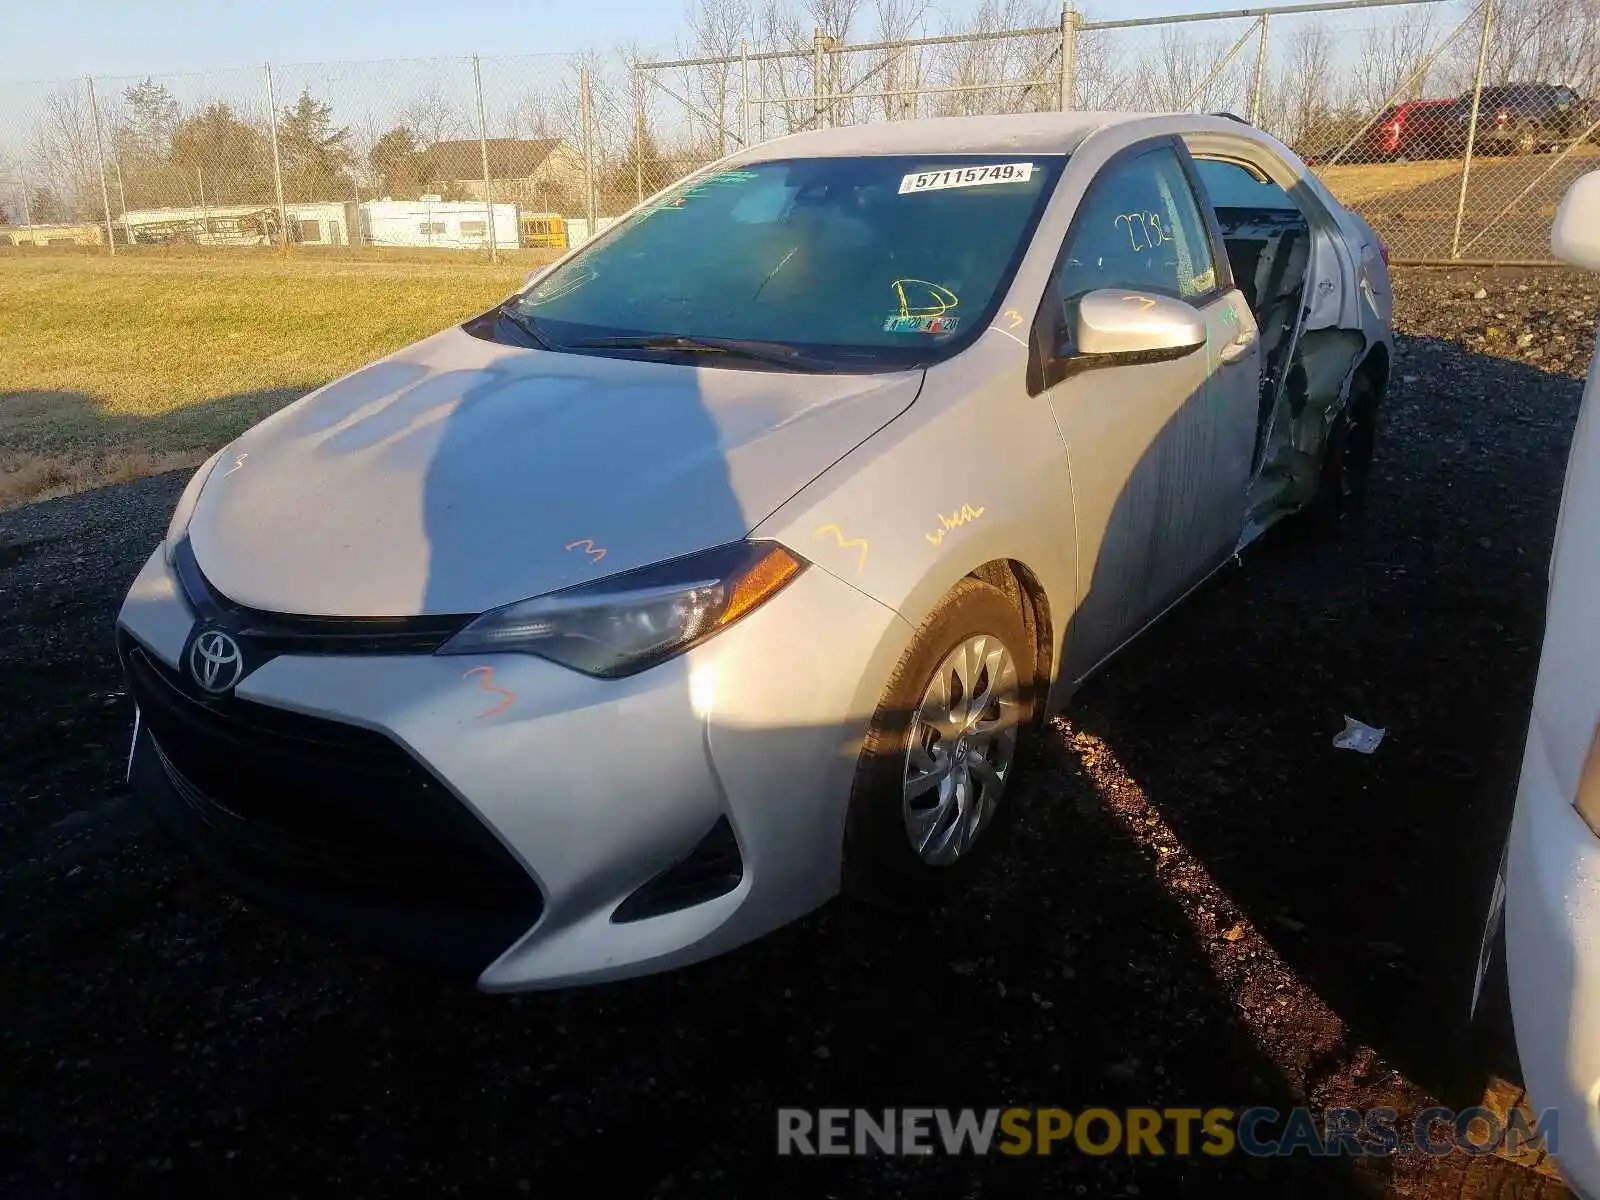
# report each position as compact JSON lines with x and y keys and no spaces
{"x":959,"y":177}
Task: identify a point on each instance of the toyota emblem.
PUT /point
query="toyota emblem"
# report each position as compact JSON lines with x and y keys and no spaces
{"x":215,"y":661}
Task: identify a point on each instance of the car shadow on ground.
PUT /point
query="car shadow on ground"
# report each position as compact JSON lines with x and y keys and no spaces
{"x":1369,"y":877}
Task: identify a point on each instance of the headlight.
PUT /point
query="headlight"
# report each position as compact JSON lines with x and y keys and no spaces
{"x":621,"y":625}
{"x":186,"y":502}
{"x":1587,"y":800}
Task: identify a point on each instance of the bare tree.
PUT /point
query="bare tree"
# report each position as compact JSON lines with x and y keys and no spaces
{"x":1300,"y":100}
{"x":1011,"y":64}
{"x":787,"y":80}
{"x":716,"y":27}
{"x":1178,"y":68}
{"x":433,"y":116}
{"x":1546,"y":41}
{"x":1531,"y":41}
{"x":1102,"y":77}
{"x":836,"y":18}
{"x":531,"y":115}
{"x":906,"y":67}
{"x":64,"y":158}
{"x":1393,"y":55}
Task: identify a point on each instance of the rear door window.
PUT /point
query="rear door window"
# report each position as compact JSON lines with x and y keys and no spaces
{"x":1228,"y":185}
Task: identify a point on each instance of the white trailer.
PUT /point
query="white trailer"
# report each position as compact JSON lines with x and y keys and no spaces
{"x":454,"y":224}
{"x":323,"y":222}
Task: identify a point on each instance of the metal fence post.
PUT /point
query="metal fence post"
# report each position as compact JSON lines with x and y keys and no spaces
{"x":638,"y":138}
{"x":744,"y":92}
{"x":816,"y":78}
{"x":1261,"y":74}
{"x":1069,"y":54}
{"x":761,"y":100}
{"x":1472,"y":125}
{"x":277,"y":165}
{"x":122,"y":193}
{"x":100,"y":157}
{"x":586,"y":119}
{"x":483,"y":153}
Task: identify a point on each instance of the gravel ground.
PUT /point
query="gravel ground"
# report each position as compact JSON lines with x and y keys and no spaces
{"x":1203,"y":902}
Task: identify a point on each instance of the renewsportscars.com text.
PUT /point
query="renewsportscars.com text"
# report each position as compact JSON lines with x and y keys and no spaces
{"x":1258,"y":1131}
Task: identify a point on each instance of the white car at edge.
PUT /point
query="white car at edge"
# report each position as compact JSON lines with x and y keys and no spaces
{"x":1551,"y":872}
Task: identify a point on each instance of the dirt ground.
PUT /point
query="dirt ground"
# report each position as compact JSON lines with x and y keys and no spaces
{"x":1202,"y":903}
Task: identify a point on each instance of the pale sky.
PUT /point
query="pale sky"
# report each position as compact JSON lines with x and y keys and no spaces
{"x":55,"y":39}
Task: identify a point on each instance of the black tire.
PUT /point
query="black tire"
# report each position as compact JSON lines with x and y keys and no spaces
{"x":880,"y":864}
{"x":1346,"y":461}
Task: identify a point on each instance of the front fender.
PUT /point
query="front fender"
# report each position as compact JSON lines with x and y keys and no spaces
{"x":973,"y":471}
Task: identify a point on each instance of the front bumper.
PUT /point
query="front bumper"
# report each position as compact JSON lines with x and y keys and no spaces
{"x":505,"y":817}
{"x":1553,"y":962}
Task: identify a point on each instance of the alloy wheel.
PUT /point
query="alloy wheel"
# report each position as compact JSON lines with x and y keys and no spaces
{"x":962,"y":747}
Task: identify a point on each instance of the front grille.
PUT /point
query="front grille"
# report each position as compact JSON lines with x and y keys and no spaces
{"x":267,"y":634}
{"x":321,"y":804}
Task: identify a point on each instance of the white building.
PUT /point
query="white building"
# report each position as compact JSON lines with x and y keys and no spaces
{"x":457,"y":224}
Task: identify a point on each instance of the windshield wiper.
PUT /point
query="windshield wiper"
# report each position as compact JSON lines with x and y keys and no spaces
{"x":527,"y":326}
{"x":768,"y":352}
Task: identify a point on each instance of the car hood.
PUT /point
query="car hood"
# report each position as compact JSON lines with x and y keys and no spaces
{"x":461,"y":474}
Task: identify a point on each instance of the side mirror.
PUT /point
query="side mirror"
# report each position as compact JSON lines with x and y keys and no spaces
{"x":1121,"y":325}
{"x":1575,"y":233}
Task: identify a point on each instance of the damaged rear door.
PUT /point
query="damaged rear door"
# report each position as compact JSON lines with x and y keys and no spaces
{"x":1290,"y":259}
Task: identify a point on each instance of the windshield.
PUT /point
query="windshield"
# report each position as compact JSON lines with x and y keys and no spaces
{"x":860,"y":264}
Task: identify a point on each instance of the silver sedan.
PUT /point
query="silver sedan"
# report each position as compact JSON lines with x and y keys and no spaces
{"x":729,"y":563}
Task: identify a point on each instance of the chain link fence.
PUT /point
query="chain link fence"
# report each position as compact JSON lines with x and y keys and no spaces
{"x":1454,"y":126}
{"x":447,"y":153}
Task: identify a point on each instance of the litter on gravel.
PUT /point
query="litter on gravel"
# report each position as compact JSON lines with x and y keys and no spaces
{"x":1358,"y":736}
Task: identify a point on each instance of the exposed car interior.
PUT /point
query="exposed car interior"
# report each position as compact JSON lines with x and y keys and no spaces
{"x":1270,"y":244}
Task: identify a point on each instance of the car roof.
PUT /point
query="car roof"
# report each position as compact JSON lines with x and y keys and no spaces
{"x":1022,"y":133}
{"x":1511,"y":89}
{"x":1040,"y":133}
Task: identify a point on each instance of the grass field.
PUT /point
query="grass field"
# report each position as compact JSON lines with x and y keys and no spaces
{"x":112,"y":368}
{"x":115,"y":368}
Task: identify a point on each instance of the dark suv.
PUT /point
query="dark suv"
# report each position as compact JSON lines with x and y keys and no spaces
{"x":1524,"y":118}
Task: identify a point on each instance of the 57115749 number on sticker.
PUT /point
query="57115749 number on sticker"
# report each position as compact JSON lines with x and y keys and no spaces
{"x":960,"y":177}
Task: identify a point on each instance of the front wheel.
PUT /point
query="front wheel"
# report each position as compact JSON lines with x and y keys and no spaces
{"x":940,"y":752}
